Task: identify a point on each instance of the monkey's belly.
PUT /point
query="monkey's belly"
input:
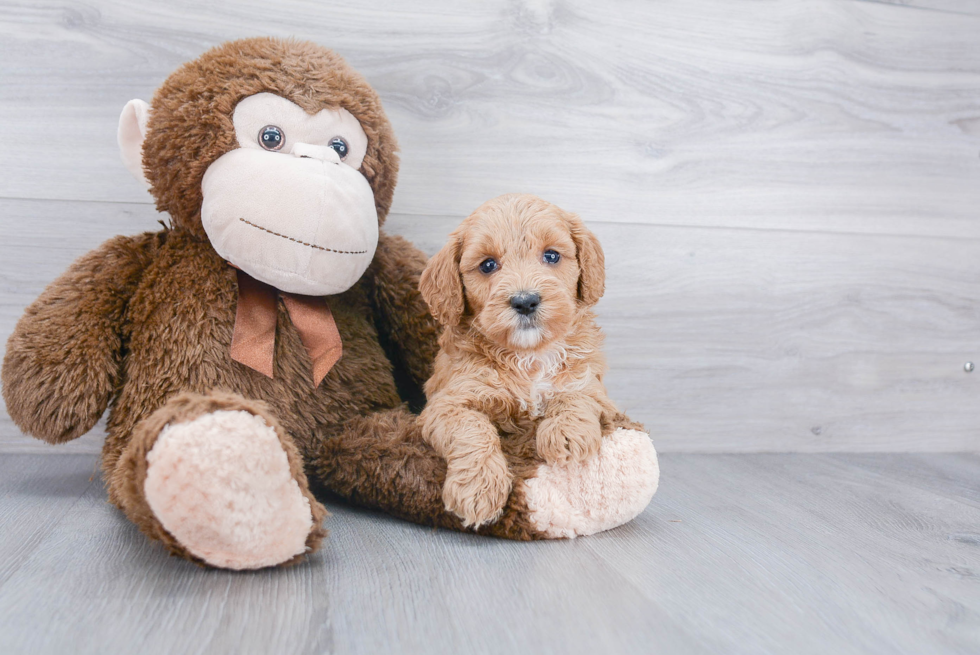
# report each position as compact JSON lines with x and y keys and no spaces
{"x":183,"y":340}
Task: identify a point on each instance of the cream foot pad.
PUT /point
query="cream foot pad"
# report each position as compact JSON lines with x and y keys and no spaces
{"x":221,"y":485}
{"x":604,"y":492}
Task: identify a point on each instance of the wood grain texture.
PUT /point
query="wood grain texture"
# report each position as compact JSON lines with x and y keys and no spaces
{"x":737,"y":554}
{"x":787,"y":192}
{"x":833,"y":114}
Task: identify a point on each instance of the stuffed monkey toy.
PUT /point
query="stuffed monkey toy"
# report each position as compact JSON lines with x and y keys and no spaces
{"x":272,"y":336}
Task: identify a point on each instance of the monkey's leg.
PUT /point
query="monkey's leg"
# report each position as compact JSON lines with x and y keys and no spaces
{"x":219,"y":482}
{"x":381,"y":461}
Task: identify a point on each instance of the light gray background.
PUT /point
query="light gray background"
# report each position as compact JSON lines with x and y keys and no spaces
{"x":788,"y":193}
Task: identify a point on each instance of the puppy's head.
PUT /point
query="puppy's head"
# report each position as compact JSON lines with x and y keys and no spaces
{"x":518,"y":269}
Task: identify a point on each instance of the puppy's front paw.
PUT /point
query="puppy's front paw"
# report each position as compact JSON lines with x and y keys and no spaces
{"x":568,"y":437}
{"x":477,"y":490}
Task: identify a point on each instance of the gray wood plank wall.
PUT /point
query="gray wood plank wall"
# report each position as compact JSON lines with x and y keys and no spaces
{"x":788,"y":192}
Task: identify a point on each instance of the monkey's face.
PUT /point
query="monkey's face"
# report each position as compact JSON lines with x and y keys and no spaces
{"x":275,"y":151}
{"x":288,"y":206}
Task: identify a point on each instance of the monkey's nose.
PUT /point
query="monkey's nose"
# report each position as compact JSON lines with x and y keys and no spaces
{"x":310,"y":151}
{"x":525,"y":303}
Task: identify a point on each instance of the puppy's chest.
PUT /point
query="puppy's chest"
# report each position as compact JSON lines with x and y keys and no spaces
{"x":540,"y":389}
{"x":534,"y":392}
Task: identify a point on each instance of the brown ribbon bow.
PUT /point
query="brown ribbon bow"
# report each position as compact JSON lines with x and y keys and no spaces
{"x":254,"y":340}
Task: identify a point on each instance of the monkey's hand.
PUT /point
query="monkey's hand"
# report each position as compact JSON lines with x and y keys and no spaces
{"x":63,"y":360}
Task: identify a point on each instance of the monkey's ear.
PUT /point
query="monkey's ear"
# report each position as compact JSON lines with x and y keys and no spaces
{"x":591,"y":261}
{"x":441,"y":285}
{"x":132,"y":131}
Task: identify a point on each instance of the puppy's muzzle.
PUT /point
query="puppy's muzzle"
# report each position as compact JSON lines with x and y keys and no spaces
{"x":525,"y":303}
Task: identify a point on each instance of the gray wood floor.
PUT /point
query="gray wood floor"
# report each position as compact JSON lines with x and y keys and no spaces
{"x":781,"y":553}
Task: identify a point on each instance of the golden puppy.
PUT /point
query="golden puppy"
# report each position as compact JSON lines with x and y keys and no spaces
{"x":514,"y":288}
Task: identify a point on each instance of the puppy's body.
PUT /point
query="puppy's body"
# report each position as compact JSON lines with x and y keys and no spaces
{"x":515,"y":389}
{"x":520,"y":355}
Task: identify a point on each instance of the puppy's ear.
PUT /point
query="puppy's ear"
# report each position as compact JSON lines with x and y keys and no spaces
{"x":591,"y":261}
{"x":441,"y":285}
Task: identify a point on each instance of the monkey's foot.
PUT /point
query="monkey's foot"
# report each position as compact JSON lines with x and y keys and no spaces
{"x":608,"y":490}
{"x":221,"y":486}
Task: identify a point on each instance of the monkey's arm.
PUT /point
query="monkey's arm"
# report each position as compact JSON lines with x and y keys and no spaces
{"x":63,"y":360}
{"x":405,"y":325}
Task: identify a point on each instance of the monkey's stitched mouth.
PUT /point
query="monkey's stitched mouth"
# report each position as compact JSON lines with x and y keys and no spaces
{"x":303,"y":243}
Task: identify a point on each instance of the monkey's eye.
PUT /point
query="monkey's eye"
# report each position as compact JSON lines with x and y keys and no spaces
{"x":338,"y":144}
{"x":489,"y":265}
{"x":272,"y":138}
{"x":551,"y":257}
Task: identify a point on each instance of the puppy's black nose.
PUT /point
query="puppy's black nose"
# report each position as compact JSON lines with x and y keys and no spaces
{"x":525,"y":303}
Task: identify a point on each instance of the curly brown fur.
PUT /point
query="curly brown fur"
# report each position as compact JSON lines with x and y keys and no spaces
{"x":56,"y":392}
{"x":503,"y":373}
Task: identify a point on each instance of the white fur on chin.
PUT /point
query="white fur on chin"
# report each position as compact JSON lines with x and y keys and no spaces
{"x":525,"y":337}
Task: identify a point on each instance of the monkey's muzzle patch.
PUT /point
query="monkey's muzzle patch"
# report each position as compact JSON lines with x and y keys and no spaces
{"x":302,"y":224}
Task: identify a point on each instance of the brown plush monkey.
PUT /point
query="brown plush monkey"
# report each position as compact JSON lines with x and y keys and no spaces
{"x":257,"y":341}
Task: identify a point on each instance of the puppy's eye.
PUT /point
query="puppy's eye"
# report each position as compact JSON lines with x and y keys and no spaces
{"x":551,"y":257}
{"x":489,"y":265}
{"x":272,"y":138}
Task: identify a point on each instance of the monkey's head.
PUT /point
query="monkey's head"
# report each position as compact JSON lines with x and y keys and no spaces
{"x":277,"y":152}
